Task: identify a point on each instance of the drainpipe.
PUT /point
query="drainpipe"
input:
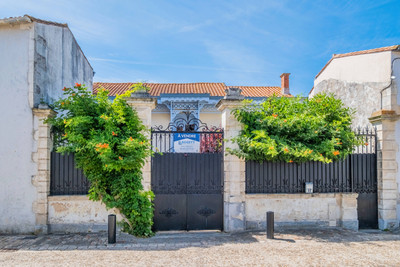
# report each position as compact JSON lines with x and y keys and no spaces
{"x":392,"y":77}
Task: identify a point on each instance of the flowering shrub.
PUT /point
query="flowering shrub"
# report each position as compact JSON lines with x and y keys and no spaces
{"x":109,"y":146}
{"x":295,"y":130}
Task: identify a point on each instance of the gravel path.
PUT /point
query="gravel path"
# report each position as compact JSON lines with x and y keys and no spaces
{"x":312,"y":247}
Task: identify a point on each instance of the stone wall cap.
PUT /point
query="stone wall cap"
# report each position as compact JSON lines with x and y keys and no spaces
{"x":141,"y":99}
{"x":383,"y":114}
{"x":224,"y":103}
{"x":41,"y":112}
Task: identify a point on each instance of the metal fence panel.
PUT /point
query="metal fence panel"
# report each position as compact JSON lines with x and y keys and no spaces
{"x":357,"y":173}
{"x":65,"y":178}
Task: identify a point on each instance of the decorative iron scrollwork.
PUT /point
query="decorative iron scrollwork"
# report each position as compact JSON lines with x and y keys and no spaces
{"x":206,"y":212}
{"x":169,"y":212}
{"x":187,"y":124}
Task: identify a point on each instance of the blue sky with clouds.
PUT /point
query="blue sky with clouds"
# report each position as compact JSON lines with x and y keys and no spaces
{"x":236,"y":42}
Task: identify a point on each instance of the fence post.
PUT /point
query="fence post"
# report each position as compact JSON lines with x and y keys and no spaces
{"x":41,"y":180}
{"x":112,"y":230}
{"x":143,"y":103}
{"x":385,"y":122}
{"x":270,"y":225}
{"x":234,"y":167}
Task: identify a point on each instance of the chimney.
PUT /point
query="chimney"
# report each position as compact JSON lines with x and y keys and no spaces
{"x":285,"y":83}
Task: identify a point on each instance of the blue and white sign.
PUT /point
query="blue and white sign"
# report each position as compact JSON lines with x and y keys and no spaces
{"x":187,"y":142}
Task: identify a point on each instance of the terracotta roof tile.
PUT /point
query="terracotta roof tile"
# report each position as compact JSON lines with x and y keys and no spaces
{"x":260,"y":91}
{"x":214,"y":89}
{"x":356,"y":53}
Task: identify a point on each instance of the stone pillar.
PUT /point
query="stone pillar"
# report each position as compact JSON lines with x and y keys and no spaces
{"x":42,"y":159}
{"x":387,"y":147}
{"x":234,"y":170}
{"x":143,"y":103}
{"x":349,"y":217}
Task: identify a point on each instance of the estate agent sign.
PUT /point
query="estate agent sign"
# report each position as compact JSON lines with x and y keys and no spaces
{"x":187,"y":142}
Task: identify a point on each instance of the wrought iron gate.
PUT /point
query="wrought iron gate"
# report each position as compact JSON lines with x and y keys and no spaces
{"x":187,"y":181}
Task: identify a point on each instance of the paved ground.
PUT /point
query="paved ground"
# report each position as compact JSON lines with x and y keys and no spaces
{"x":315,"y":247}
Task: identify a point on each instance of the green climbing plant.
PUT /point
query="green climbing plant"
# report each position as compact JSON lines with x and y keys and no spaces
{"x":110,"y":147}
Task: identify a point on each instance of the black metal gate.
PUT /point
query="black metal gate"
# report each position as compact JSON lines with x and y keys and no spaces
{"x":188,"y":186}
{"x":188,"y":191}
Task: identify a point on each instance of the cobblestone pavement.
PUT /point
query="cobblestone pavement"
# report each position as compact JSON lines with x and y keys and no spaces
{"x":291,"y":247}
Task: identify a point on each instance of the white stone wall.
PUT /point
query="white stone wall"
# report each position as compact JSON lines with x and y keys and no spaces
{"x":302,"y":210}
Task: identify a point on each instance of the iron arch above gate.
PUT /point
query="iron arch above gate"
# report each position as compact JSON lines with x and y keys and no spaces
{"x":183,"y":129}
{"x":187,"y":123}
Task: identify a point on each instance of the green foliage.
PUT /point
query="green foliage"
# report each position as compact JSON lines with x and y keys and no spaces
{"x":140,"y":87}
{"x":295,"y":130}
{"x":109,"y":145}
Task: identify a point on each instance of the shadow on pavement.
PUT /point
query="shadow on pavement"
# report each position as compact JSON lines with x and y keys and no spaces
{"x":99,"y":241}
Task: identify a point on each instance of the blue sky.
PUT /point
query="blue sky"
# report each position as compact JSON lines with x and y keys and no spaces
{"x":236,"y":42}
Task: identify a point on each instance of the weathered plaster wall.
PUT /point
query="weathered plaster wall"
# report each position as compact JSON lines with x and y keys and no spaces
{"x":212,"y":119}
{"x":364,"y":98}
{"x":59,"y":62}
{"x":302,"y":209}
{"x":78,"y":214}
{"x":16,"y":136}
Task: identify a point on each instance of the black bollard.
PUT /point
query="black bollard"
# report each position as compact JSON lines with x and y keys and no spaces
{"x":270,"y":225}
{"x":112,"y":229}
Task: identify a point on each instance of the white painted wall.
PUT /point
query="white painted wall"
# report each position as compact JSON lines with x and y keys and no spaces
{"x":16,"y":135}
{"x":373,"y":67}
{"x":28,"y":72}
